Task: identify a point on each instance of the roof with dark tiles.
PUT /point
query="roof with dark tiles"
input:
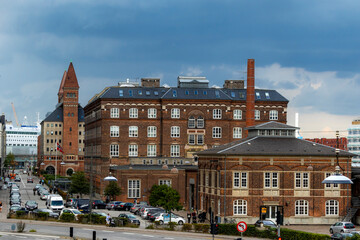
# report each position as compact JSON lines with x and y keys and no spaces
{"x":118,"y":92}
{"x":153,"y":167}
{"x":57,"y":114}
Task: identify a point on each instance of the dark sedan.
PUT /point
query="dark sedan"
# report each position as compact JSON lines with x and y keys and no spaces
{"x":99,"y":204}
{"x":44,"y":210}
{"x":112,"y":205}
{"x":341,"y":236}
{"x":16,"y":207}
{"x":124,"y":206}
{"x":15,"y":200}
{"x":31,"y":205}
{"x":132,"y":219}
{"x":30,"y":180}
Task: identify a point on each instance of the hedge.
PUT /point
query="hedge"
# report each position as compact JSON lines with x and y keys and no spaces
{"x":67,"y":217}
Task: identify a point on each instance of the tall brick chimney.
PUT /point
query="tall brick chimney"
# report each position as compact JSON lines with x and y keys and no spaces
{"x":250,"y":94}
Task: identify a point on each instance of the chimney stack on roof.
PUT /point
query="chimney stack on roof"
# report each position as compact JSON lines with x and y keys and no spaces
{"x":250,"y":94}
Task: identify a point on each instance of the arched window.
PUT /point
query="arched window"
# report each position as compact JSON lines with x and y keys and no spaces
{"x":273,"y":115}
{"x":191,"y":122}
{"x":301,"y":207}
{"x":240,"y":207}
{"x":50,"y":170}
{"x":332,"y":207}
{"x":69,"y":172}
{"x":200,"y":122}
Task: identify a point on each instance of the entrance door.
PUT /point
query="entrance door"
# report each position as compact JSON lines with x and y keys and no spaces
{"x":271,"y":213}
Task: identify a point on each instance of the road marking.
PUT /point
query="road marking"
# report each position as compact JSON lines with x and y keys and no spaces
{"x":147,"y":236}
{"x":22,"y":182}
{"x":129,"y":233}
{"x":28,"y":234}
{"x":20,"y":237}
{"x":88,"y":229}
{"x":169,"y":238}
{"x":108,"y":231}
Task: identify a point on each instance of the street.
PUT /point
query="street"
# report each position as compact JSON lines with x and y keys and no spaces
{"x":56,"y":230}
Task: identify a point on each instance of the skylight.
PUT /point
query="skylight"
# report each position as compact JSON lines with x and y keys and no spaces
{"x":121,"y":93}
{"x":232,"y":94}
{"x":147,"y":93}
{"x":217,"y":94}
{"x":130,"y":93}
{"x":267,"y":95}
{"x":174,"y":93}
{"x":258,"y":95}
{"x":140,"y":92}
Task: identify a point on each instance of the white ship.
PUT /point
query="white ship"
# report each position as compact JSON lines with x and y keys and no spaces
{"x":22,"y":141}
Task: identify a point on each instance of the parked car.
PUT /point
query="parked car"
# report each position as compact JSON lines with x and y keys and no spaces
{"x":30,"y":180}
{"x":153,"y":211}
{"x":44,"y":194}
{"x":134,"y":209}
{"x":130,"y":217}
{"x":4,"y":187}
{"x":17,"y":179}
{"x":17,"y":207}
{"x":15,"y":200}
{"x":153,"y":216}
{"x":268,"y":223}
{"x":72,"y":211}
{"x":99,"y":204}
{"x":82,"y":205}
{"x":70,"y":202}
{"x":111,"y":205}
{"x":6,"y":180}
{"x":24,"y":172}
{"x":342,"y":227}
{"x":144,"y":211}
{"x":44,"y":210}
{"x":165,"y":218}
{"x":31,"y":205}
{"x":341,"y":236}
{"x":124,"y":206}
{"x":100,"y":213}
{"x":15,"y":194}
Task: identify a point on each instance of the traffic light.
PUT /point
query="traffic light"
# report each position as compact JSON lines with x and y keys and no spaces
{"x":214,"y":228}
{"x":279,"y":238}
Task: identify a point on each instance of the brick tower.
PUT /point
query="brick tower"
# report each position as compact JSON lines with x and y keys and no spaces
{"x":69,"y":96}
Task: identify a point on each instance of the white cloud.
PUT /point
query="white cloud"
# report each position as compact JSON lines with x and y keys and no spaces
{"x":192,"y":71}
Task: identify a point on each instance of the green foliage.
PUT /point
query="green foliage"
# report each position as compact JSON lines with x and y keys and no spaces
{"x":10,"y":160}
{"x":124,"y":220}
{"x":67,"y":217}
{"x":42,"y":216}
{"x":112,"y":190}
{"x":151,"y":226}
{"x":20,"y":226}
{"x":32,"y":230}
{"x":20,"y":213}
{"x":165,"y":196}
{"x":49,"y":176}
{"x":79,"y":184}
{"x":289,"y":234}
{"x":355,"y":237}
{"x":186,"y":227}
{"x":171,"y":226}
{"x":199,"y":227}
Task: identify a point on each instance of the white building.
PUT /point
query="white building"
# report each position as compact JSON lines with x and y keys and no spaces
{"x":354,"y":141}
{"x":2,"y":144}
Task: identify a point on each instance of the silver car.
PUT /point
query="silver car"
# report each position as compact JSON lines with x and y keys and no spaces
{"x":342,"y":227}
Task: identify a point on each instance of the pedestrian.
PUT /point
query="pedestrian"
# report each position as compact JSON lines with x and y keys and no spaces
{"x":34,"y":190}
{"x":108,"y":219}
{"x":0,"y":206}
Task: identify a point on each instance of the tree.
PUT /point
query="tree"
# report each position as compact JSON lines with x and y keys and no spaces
{"x":79,"y":184}
{"x":166,"y":197}
{"x":112,"y":189}
{"x":10,"y":160}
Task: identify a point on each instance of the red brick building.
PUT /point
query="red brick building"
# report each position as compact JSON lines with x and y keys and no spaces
{"x":340,"y":143}
{"x":271,"y":172}
{"x":64,"y":126}
{"x":144,"y":126}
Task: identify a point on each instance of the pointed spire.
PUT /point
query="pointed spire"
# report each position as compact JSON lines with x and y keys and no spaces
{"x":71,"y":80}
{"x":61,"y":88}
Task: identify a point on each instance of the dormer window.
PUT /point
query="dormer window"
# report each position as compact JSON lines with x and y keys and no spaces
{"x":257,"y":95}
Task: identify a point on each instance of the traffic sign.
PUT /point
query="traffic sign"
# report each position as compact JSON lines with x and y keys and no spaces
{"x":241,"y":226}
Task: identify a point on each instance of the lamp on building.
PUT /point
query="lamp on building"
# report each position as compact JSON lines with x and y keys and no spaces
{"x":174,"y":170}
{"x":62,"y":163}
{"x":110,"y":178}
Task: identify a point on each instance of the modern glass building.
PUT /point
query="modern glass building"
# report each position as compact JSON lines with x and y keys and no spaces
{"x":354,"y":141}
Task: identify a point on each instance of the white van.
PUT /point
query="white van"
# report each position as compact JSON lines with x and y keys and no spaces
{"x":55,"y":202}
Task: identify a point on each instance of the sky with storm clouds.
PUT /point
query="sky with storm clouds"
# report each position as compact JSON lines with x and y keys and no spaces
{"x":306,"y":50}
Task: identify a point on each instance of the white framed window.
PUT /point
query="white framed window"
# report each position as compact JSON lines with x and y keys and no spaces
{"x":191,"y":139}
{"x":301,"y":180}
{"x":133,"y":131}
{"x":114,"y":113}
{"x":133,"y":188}
{"x":216,"y":132}
{"x":151,"y":131}
{"x":133,"y":150}
{"x":332,"y":207}
{"x":237,"y":132}
{"x":329,"y":186}
{"x":175,"y":150}
{"x":217,"y":113}
{"x":152,"y":113}
{"x":165,"y":182}
{"x":151,"y":150}
{"x":257,"y":114}
{"x":271,"y":180}
{"x":133,"y":113}
{"x":175,"y":131}
{"x":237,"y":114}
{"x":114,"y":150}
{"x":200,"y":139}
{"x":175,"y":113}
{"x":114,"y":131}
{"x":240,"y":180}
{"x":273,"y":115}
{"x":240,"y":207}
{"x":191,"y":122}
{"x":200,"y":122}
{"x":301,"y":207}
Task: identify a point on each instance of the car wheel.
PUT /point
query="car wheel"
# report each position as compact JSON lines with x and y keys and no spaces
{"x":180,"y":222}
{"x":342,"y":231}
{"x":161,"y":222}
{"x":331,"y":231}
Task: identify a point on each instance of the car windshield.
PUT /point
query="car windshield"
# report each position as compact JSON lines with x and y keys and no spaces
{"x":131,"y":216}
{"x":76,"y":211}
{"x":30,"y":202}
{"x":268,"y":222}
{"x":349,"y":225}
{"x":57,"y":203}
